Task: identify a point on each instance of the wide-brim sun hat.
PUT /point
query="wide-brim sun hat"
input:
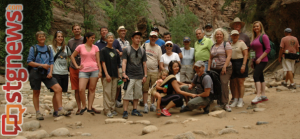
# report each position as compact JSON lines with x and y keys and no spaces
{"x":121,"y":28}
{"x":237,"y":20}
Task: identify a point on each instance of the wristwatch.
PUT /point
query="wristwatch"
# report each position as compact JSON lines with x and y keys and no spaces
{"x":146,"y":76}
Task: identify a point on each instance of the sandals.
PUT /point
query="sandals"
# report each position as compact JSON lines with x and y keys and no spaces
{"x":158,"y":112}
{"x":78,"y":112}
{"x":91,"y":111}
{"x":82,"y":111}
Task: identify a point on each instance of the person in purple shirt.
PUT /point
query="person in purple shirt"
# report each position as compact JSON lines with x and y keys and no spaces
{"x":260,"y":60}
{"x":176,"y":48}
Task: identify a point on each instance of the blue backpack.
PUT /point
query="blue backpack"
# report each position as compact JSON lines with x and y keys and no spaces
{"x":35,"y":54}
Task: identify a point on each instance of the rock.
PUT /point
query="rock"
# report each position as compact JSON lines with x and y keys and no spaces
{"x":60,"y":132}
{"x":144,"y":122}
{"x":229,"y":126}
{"x":177,"y":116}
{"x":109,"y":121}
{"x":294,"y":91}
{"x":200,"y":132}
{"x":187,"y":135}
{"x":261,"y":123}
{"x":189,"y":119}
{"x":129,"y":122}
{"x":149,"y":129}
{"x":260,"y":105}
{"x":279,"y":75}
{"x":48,"y":98}
{"x":171,"y":121}
{"x":168,"y":135}
{"x":25,"y":101}
{"x":86,"y":134}
{"x":248,"y":85}
{"x":281,"y":88}
{"x":79,"y":123}
{"x":227,"y":131}
{"x":247,"y":127}
{"x":70,"y":105}
{"x":273,"y":84}
{"x":39,"y":134}
{"x":31,"y":125}
{"x":219,"y":113}
{"x":19,"y":137}
{"x":258,"y":109}
{"x":234,"y":118}
{"x":59,"y":118}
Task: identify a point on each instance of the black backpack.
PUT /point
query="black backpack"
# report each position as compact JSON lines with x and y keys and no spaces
{"x":216,"y":85}
{"x":35,"y":54}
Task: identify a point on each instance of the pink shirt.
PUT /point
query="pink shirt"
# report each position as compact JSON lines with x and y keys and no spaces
{"x":258,"y":47}
{"x":88,"y":59}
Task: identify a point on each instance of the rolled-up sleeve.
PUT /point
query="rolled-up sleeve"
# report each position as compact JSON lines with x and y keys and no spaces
{"x":30,"y":55}
{"x":266,"y":43}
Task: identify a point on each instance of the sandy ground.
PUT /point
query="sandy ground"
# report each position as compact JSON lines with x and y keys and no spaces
{"x":282,"y":112}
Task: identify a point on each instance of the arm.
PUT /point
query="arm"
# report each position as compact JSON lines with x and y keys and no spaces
{"x":180,"y":55}
{"x":158,"y":87}
{"x":209,"y":62}
{"x":98,"y":64}
{"x":145,"y":71}
{"x":75,"y":53}
{"x":268,"y":48}
{"x":49,"y":76}
{"x":245,"y":54}
{"x":124,"y":61}
{"x":228,"y":53}
{"x":205,"y":93}
{"x":280,"y":51}
{"x":177,"y":89}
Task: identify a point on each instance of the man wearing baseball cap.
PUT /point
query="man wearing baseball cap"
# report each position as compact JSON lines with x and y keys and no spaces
{"x":202,"y":85}
{"x":159,"y":41}
{"x":134,"y":72}
{"x":288,"y":54}
{"x":208,"y":29}
{"x":154,"y":53}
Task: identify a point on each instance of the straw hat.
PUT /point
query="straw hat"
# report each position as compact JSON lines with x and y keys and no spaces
{"x":121,"y":28}
{"x":237,"y":20}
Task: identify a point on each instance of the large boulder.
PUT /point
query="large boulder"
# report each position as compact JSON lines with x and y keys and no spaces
{"x":31,"y":125}
{"x":39,"y":134}
{"x":60,"y":132}
{"x":279,"y":75}
{"x":149,"y":129}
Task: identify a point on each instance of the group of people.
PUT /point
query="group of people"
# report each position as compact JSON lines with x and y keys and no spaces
{"x":159,"y":67}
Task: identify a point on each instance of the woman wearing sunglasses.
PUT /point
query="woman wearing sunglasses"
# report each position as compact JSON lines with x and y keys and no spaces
{"x":168,"y":57}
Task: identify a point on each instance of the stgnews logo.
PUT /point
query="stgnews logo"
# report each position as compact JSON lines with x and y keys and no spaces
{"x":16,"y":74}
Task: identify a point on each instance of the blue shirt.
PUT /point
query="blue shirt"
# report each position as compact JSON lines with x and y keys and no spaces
{"x":159,"y":42}
{"x":46,"y":58}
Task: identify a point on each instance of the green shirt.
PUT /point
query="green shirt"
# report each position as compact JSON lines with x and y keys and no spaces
{"x":202,"y":49}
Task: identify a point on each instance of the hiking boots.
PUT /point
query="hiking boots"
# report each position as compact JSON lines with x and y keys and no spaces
{"x":109,"y":115}
{"x":39,"y":116}
{"x":206,"y":109}
{"x":125,"y":115}
{"x":256,"y":100}
{"x":292,"y":86}
{"x":136,"y":113}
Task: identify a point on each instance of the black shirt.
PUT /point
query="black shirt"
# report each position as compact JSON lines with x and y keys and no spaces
{"x":112,"y":61}
{"x":101,"y":44}
{"x":170,"y":89}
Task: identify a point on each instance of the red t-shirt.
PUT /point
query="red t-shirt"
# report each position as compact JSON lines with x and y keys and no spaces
{"x":289,"y":43}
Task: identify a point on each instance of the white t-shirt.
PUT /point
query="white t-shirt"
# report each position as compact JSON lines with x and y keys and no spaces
{"x":167,"y":59}
{"x":187,"y":56}
{"x":60,"y":66}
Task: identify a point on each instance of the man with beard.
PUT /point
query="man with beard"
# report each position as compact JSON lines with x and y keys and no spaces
{"x":209,"y":32}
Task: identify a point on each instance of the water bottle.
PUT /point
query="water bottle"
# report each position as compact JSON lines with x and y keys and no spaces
{"x":252,"y":54}
{"x":120,"y":82}
{"x":166,"y":86}
{"x":214,"y":63}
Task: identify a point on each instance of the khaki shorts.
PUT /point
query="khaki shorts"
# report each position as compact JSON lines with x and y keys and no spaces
{"x":120,"y":72}
{"x":134,"y":89}
{"x":288,"y":64}
{"x":186,"y":73}
{"x":151,"y":79}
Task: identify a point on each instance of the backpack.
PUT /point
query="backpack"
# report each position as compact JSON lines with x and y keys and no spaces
{"x":272,"y":53}
{"x":217,"y":87}
{"x":35,"y":54}
{"x":143,"y":49}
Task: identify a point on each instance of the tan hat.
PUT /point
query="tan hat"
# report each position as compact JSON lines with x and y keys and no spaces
{"x":153,"y":33}
{"x":121,"y":28}
{"x":237,"y":20}
{"x":234,"y":32}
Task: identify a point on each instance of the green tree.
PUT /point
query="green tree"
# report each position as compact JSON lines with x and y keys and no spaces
{"x":183,"y":24}
{"x":87,"y":9}
{"x":37,"y":15}
{"x":124,"y":12}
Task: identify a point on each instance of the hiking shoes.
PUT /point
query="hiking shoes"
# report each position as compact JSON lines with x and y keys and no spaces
{"x":240,"y":104}
{"x":184,"y":109}
{"x":152,"y":107}
{"x":292,"y":86}
{"x":165,"y":112}
{"x":256,"y":100}
{"x":125,"y":115}
{"x":227,"y":108}
{"x":136,"y":113}
{"x":55,"y":114}
{"x":264,"y":98}
{"x":109,"y":115}
{"x":39,"y":116}
{"x":284,"y":84}
{"x":114,"y":113}
{"x":145,"y":109}
{"x":63,"y":112}
{"x":234,"y":104}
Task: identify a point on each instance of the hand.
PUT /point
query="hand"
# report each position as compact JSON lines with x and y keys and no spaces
{"x":108,"y":78}
{"x":165,"y":90}
{"x":144,"y":79}
{"x":99,"y":74}
{"x":208,"y":69}
{"x":46,"y":66}
{"x":258,"y":61}
{"x":194,"y":95}
{"x":125,"y":77}
{"x":80,"y":67}
{"x":279,"y":59}
{"x":49,"y":76}
{"x":243,"y":69}
{"x":190,"y":87}
{"x":223,"y":71}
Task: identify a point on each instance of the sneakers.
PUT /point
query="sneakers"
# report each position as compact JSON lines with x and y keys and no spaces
{"x":240,"y":104}
{"x":63,"y":112}
{"x":284,"y":84}
{"x":145,"y":109}
{"x":136,"y":113}
{"x":152,"y":107}
{"x":109,"y":115}
{"x":114,"y":113}
{"x":119,"y":104}
{"x":256,"y":100}
{"x":39,"y":116}
{"x":55,"y":114}
{"x":184,"y":109}
{"x":125,"y":115}
{"x":234,"y":104}
{"x":165,"y":112}
{"x":227,"y":108}
{"x":292,"y":86}
{"x":264,"y":98}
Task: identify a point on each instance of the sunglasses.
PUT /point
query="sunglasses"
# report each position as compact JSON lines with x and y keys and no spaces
{"x":153,"y":37}
{"x":169,"y":45}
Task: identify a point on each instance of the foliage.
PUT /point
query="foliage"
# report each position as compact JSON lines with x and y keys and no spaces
{"x":126,"y":13}
{"x":37,"y":15}
{"x":183,"y":24}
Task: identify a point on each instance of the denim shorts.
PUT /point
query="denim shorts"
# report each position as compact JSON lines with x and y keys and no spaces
{"x":89,"y":74}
